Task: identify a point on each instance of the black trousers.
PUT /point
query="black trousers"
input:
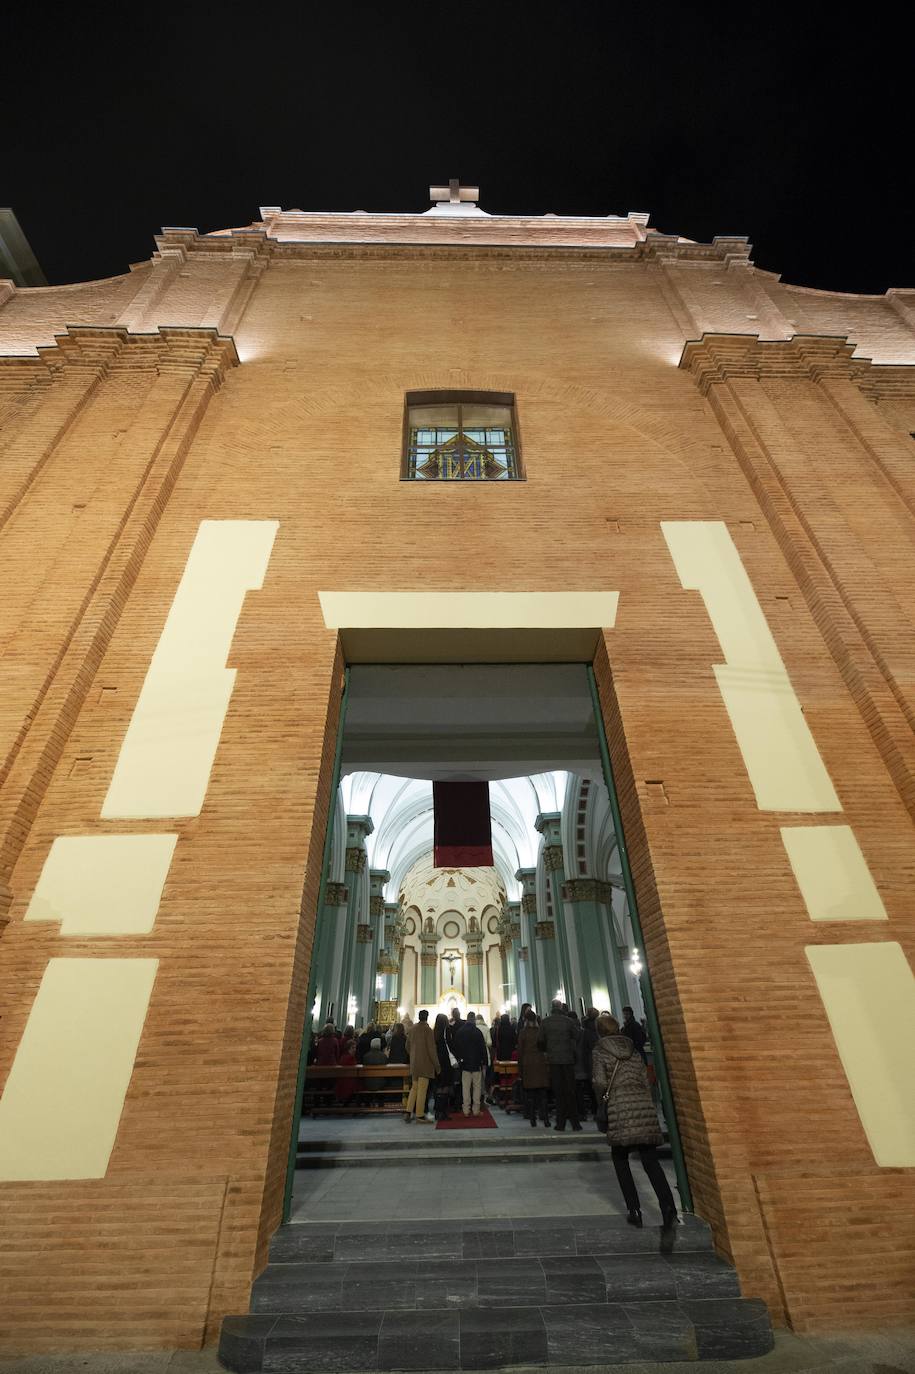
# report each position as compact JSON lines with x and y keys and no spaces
{"x":656,"y":1177}
{"x":535,"y":1103}
{"x":584,"y":1096}
{"x":562,"y":1078}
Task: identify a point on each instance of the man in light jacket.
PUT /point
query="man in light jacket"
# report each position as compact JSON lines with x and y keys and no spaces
{"x":424,"y":1065}
{"x":559,"y":1037}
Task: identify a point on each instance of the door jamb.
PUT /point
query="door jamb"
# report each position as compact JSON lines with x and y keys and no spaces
{"x":651,"y":1011}
{"x":315,"y":954}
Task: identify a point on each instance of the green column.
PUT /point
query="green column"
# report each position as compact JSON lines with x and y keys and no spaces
{"x":617,"y":956}
{"x":366,"y":980}
{"x":538,"y":992}
{"x":512,"y":920}
{"x":526,"y":990}
{"x":428,"y":966}
{"x":588,"y":901}
{"x":358,"y":828}
{"x":474,"y":969}
{"x":390,"y":954}
{"x":550,"y":826}
{"x":329,"y":955}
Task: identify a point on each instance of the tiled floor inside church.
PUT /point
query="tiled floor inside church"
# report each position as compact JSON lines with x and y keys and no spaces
{"x":378,"y":1169}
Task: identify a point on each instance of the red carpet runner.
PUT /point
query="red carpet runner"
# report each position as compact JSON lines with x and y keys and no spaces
{"x":459,"y":1122}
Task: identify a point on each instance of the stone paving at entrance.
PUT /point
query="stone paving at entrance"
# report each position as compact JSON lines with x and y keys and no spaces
{"x":891,"y":1352}
{"x":411,"y":1180}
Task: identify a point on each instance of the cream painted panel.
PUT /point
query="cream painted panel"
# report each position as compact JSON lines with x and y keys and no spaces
{"x":167,"y":754}
{"x":869,"y":995}
{"x":62,"y":1103}
{"x":103,"y":884}
{"x":780,"y":754}
{"x":832,"y":873}
{"x":469,"y":610}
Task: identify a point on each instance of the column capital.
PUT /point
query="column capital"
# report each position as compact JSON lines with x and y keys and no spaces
{"x":358,"y":828}
{"x":364,"y":934}
{"x":428,"y":960}
{"x":474,"y":957}
{"x":548,"y":820}
{"x":336,"y":894}
{"x":527,"y":877}
{"x":376,"y":905}
{"x":529,"y":904}
{"x":545,"y":930}
{"x":587,"y":890}
{"x":553,"y":858}
{"x":355,"y":859}
{"x":378,"y":877}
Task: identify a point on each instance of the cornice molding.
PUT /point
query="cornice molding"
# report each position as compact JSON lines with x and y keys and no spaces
{"x":257,"y":243}
{"x":722,"y":357}
{"x":97,"y":350}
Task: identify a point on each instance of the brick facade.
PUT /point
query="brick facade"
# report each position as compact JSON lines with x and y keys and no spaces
{"x":260,"y":375}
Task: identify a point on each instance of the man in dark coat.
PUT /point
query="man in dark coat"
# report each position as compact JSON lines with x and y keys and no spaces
{"x":559,"y":1040}
{"x":634,"y":1031}
{"x":451,"y":1030}
{"x":471,"y":1051}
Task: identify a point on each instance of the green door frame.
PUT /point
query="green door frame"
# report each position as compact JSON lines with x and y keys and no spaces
{"x":320,"y":937}
{"x":651,"y":1011}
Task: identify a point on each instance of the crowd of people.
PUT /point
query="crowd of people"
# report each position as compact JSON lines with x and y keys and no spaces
{"x":573,"y":1067}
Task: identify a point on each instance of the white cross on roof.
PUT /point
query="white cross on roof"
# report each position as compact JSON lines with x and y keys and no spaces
{"x":454,"y":193}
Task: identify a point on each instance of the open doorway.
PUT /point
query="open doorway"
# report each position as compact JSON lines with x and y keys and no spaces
{"x":553,"y":917}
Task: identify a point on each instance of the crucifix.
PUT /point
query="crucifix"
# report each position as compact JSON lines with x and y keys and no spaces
{"x":451,"y":960}
{"x":454,"y":193}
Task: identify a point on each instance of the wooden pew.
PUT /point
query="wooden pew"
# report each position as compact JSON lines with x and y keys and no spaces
{"x":372,"y":1081}
{"x":506,"y":1074}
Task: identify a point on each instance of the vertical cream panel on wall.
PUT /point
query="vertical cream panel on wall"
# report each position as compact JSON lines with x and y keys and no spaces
{"x":869,"y":995}
{"x":167,"y":755}
{"x":781,"y":757}
{"x":832,"y":874}
{"x":103,"y":884}
{"x":62,"y":1102}
{"x":868,"y":991}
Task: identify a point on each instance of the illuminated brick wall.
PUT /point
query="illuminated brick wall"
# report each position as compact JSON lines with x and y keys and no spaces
{"x":250,"y":382}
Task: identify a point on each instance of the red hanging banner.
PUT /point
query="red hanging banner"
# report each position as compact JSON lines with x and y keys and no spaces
{"x":463,"y":828}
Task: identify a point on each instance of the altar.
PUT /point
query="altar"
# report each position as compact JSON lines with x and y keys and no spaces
{"x":451,"y":999}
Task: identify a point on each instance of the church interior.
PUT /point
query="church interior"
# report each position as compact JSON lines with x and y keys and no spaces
{"x":548,"y":919}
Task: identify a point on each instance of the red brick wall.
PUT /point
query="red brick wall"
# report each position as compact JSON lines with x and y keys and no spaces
{"x":810,"y":478}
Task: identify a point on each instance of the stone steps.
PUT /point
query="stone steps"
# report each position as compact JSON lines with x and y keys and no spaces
{"x":414,"y":1146}
{"x":457,"y":1284}
{"x":576,"y":1334}
{"x":468,"y":1141}
{"x":483,"y":1294}
{"x":348,"y":1242}
{"x":383,"y":1157}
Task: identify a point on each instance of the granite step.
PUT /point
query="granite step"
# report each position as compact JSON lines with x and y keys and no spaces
{"x":420,"y":1284}
{"x":442,"y":1338}
{"x":556,"y":1151}
{"x":348,"y":1242}
{"x":409,"y":1136}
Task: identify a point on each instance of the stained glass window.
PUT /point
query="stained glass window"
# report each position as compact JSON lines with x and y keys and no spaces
{"x":461,"y":436}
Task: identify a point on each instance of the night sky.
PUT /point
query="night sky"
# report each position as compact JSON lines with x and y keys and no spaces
{"x":716,"y":120}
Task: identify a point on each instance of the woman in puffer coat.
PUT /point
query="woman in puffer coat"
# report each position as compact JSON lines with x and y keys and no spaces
{"x":620,"y":1079}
